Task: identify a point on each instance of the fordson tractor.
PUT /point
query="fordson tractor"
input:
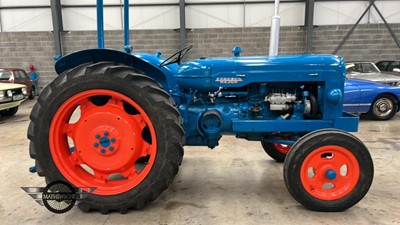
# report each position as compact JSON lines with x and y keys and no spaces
{"x":118,"y":121}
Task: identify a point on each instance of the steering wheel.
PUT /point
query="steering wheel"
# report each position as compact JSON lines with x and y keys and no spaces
{"x":176,"y":57}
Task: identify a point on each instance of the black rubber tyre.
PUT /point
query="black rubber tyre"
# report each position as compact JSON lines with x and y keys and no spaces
{"x":329,"y":148}
{"x":141,"y":89}
{"x":9,"y":112}
{"x":384,"y":107}
{"x":277,"y":154}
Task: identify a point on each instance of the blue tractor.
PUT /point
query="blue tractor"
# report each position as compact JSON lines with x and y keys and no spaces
{"x":118,"y":122}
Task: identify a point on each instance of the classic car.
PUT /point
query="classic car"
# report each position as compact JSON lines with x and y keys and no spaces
{"x":376,"y":100}
{"x":369,"y":71}
{"x":389,"y":66}
{"x":11,"y":96}
{"x":18,"y":76}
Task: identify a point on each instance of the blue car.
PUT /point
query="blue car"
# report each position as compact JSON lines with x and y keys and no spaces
{"x":378,"y":101}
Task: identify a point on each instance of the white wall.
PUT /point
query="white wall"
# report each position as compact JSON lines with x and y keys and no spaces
{"x":23,"y":2}
{"x":26,"y":20}
{"x":331,"y":13}
{"x":197,"y":16}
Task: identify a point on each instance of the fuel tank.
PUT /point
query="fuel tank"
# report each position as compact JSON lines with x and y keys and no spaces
{"x":209,"y":74}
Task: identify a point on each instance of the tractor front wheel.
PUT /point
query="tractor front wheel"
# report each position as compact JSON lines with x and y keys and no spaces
{"x":328,"y":170}
{"x":105,"y":126}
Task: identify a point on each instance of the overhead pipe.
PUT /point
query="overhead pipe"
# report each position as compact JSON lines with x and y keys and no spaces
{"x":274,"y":36}
{"x":127,"y":46}
{"x":100,"y":24}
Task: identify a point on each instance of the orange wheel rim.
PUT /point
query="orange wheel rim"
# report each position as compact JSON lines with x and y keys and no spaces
{"x":330,"y":172}
{"x":284,"y":149}
{"x":111,"y":146}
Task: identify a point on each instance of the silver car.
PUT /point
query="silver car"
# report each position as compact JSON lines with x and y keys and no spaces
{"x":369,"y":71}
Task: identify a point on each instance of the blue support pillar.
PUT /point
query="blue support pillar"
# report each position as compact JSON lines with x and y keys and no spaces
{"x":100,"y":24}
{"x":127,"y":46}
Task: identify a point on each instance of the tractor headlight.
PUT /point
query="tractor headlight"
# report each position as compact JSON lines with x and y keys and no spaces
{"x":24,"y":91}
{"x":9,"y":93}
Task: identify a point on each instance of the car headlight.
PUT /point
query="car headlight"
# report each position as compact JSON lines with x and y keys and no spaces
{"x":9,"y":93}
{"x":24,"y":91}
{"x":1,"y":94}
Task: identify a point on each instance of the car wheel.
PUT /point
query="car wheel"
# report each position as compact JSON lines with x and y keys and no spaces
{"x":9,"y":112}
{"x":384,"y":107}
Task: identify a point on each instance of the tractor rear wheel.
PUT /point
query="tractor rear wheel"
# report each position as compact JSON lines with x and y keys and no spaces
{"x":105,"y":126}
{"x":328,"y":170}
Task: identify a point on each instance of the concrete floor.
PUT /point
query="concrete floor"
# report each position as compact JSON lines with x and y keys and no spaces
{"x":236,"y":183}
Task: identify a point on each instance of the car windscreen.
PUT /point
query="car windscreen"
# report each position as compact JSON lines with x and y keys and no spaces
{"x":370,"y":68}
{"x":394,"y":65}
{"x":5,"y":75}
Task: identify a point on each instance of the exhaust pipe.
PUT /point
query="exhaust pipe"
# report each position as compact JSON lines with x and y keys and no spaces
{"x":274,"y":36}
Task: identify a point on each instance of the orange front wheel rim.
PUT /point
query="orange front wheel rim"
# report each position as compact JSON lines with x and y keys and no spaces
{"x":330,"y":172}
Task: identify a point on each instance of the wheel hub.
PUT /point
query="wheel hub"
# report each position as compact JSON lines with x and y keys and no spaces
{"x":105,"y":141}
{"x":99,"y":141}
{"x":330,"y":174}
{"x":383,"y":107}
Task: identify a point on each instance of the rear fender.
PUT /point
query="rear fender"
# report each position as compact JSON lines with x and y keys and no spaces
{"x":146,"y":63}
